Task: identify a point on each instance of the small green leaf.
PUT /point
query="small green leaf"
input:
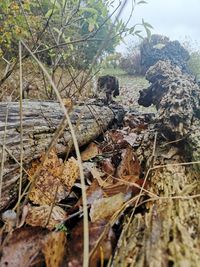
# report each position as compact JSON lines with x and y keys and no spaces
{"x":56,"y":30}
{"x":48,"y":14}
{"x":148,"y":25}
{"x":148,"y":33}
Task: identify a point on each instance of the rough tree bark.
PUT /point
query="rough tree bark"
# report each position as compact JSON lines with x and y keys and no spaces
{"x":168,"y":232}
{"x":40,"y":121}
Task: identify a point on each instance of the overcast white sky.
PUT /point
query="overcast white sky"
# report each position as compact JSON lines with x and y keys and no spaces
{"x":177,"y":19}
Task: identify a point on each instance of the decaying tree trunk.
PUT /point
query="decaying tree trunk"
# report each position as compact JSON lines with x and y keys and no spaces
{"x":168,"y":232}
{"x":40,"y":122}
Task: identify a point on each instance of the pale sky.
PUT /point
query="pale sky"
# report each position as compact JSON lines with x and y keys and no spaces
{"x":177,"y":19}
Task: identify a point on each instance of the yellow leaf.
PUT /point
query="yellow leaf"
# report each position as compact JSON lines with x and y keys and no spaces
{"x":54,"y":249}
{"x":90,"y":152}
{"x":104,"y":208}
{"x":39,"y":216}
{"x":70,"y":173}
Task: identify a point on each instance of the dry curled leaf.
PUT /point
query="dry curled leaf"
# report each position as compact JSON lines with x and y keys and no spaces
{"x":105,"y":207}
{"x":129,"y":168}
{"x":54,"y":249}
{"x":90,"y":152}
{"x":54,"y":181}
{"x":23,"y":247}
{"x":39,"y":216}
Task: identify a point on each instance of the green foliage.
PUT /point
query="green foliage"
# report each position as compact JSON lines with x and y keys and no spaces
{"x":61,"y":227}
{"x":14,"y":25}
{"x":96,"y":29}
{"x":64,"y":32}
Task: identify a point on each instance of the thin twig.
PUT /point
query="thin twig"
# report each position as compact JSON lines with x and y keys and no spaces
{"x":3,"y":150}
{"x":21,"y":132}
{"x":85,"y":211}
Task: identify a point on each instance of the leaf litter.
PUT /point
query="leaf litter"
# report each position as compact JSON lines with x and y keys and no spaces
{"x":54,"y":212}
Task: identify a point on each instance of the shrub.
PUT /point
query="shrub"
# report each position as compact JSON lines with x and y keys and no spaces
{"x":131,"y":61}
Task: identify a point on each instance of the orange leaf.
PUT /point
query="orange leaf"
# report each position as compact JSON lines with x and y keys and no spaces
{"x":54,"y":181}
{"x":129,"y":166}
{"x":70,"y":173}
{"x":90,"y":152}
{"x":54,"y":249}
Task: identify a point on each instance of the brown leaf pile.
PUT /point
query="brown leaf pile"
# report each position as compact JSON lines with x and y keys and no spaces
{"x":112,"y":174}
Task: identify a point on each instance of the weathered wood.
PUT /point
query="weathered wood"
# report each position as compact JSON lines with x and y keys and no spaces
{"x":40,"y":121}
{"x":167,"y":234}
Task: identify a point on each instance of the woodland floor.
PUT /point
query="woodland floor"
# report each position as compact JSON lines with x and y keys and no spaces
{"x":129,"y":92}
{"x":102,"y":159}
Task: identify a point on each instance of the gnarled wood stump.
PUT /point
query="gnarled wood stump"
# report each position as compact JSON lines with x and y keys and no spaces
{"x":168,"y":232}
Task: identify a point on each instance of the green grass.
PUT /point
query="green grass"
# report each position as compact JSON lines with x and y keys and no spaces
{"x":113,"y":71}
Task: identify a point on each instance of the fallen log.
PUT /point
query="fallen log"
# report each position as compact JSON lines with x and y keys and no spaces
{"x":40,"y":122}
{"x":167,"y":233}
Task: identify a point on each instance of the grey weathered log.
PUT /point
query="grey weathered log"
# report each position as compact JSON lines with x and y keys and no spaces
{"x":40,"y":121}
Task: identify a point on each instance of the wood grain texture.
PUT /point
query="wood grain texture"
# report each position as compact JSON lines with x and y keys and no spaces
{"x":40,"y":122}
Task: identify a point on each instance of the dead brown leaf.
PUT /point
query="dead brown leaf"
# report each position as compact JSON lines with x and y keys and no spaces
{"x":107,"y":167}
{"x":55,"y":178}
{"x":90,"y":152}
{"x":48,"y":183}
{"x":129,"y":168}
{"x":104,"y":248}
{"x":128,"y":190}
{"x":104,"y":208}
{"x":38,"y":216}
{"x":54,"y":249}
{"x":23,"y":247}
